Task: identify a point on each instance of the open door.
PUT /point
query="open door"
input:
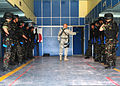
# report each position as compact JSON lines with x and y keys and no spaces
{"x":78,"y":41}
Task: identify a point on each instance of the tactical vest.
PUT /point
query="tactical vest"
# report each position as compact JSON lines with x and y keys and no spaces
{"x":111,"y":30}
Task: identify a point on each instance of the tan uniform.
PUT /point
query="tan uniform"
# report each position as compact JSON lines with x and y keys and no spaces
{"x":63,"y":38}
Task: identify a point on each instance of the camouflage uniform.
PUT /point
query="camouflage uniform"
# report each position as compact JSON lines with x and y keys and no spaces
{"x":8,"y":41}
{"x":110,"y":51}
{"x":32,"y":37}
{"x":97,"y":43}
{"x":19,"y":45}
{"x":111,"y":30}
{"x":13,"y":48}
{"x":27,"y":42}
{"x":89,"y":50}
{"x":90,"y":42}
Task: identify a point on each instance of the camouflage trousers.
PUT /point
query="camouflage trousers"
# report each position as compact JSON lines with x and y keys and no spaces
{"x":89,"y":50}
{"x":7,"y":52}
{"x":28,"y":51}
{"x":17,"y":53}
{"x":110,"y":50}
{"x":97,"y":50}
{"x":13,"y":54}
{"x":100,"y":52}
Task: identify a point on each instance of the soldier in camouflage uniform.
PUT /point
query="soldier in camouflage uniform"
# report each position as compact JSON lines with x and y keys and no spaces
{"x":97,"y":42}
{"x":20,"y":41}
{"x":63,"y":38}
{"x":111,"y":32}
{"x":89,"y":50}
{"x":102,"y":44}
{"x":32,"y":37}
{"x":101,"y":21}
{"x":14,"y":48}
{"x":8,"y":39}
{"x":27,"y":42}
{"x":90,"y":42}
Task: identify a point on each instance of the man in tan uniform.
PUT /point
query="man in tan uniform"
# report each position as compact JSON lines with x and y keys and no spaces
{"x":63,"y":38}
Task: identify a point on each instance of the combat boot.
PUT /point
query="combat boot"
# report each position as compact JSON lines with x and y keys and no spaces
{"x":65,"y":58}
{"x":4,"y":69}
{"x":12,"y":63}
{"x":113,"y":64}
{"x":110,"y":66}
{"x":60,"y":57}
{"x":87,"y":57}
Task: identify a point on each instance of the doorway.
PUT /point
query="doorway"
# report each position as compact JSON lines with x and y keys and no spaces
{"x":78,"y":41}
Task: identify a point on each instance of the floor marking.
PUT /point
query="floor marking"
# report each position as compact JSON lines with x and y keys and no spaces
{"x":112,"y":81}
{"x":90,"y":65}
{"x":14,"y":71}
{"x":115,"y":77}
{"x":116,"y":70}
{"x":21,"y":75}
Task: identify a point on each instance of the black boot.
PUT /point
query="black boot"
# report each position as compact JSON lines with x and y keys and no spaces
{"x":113,"y":64}
{"x":4,"y":69}
{"x":96,"y":60}
{"x":12,"y":63}
{"x":87,"y":57}
{"x":110,"y":66}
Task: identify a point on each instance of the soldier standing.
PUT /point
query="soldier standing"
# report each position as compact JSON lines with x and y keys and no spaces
{"x":20,"y":35}
{"x":22,"y":40}
{"x":8,"y":39}
{"x":27,"y":44}
{"x":63,"y":38}
{"x":90,"y":42}
{"x":111,"y":30}
{"x":14,"y":47}
{"x":32,"y":37}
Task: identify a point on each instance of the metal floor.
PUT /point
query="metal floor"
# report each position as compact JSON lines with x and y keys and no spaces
{"x":49,"y":71}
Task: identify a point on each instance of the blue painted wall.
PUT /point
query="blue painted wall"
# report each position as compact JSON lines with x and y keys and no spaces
{"x":49,"y":13}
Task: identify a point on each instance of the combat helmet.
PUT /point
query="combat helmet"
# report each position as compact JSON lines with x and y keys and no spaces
{"x":108,"y":16}
{"x":20,"y":23}
{"x":8,"y":15}
{"x":15,"y":16}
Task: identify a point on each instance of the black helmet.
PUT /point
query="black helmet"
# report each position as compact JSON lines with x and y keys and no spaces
{"x":8,"y":15}
{"x":108,"y":16}
{"x":97,"y":21}
{"x":26,"y":25}
{"x":20,"y":23}
{"x":101,"y":18}
{"x":15,"y":16}
{"x":31,"y":27}
{"x":92,"y":24}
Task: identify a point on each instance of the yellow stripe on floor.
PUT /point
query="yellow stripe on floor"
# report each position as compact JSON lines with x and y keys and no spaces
{"x":116,"y":70}
{"x":14,"y":71}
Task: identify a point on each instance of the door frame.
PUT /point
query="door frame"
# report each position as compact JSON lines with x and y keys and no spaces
{"x":81,"y":26}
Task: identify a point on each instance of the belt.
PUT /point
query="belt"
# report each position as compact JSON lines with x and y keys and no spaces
{"x":64,"y":38}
